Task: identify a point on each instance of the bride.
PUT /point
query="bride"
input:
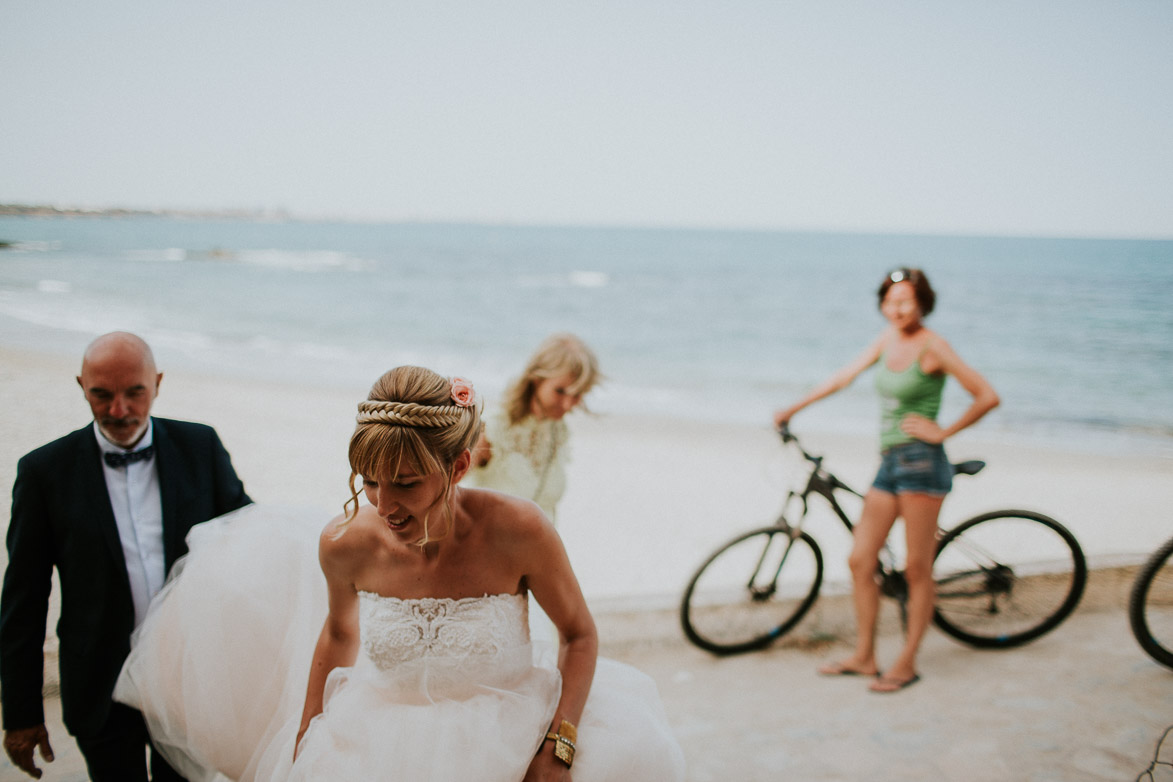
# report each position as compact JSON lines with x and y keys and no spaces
{"x":423,"y":667}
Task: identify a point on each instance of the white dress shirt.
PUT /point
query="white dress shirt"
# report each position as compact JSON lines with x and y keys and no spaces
{"x":138,"y":510}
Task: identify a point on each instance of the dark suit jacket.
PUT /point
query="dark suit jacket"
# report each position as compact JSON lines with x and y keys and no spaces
{"x":61,"y":517}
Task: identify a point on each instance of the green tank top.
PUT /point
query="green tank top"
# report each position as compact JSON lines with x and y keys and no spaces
{"x":901,"y":393}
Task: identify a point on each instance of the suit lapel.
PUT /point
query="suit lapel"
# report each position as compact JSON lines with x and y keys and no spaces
{"x":91,"y":483}
{"x":169,"y":464}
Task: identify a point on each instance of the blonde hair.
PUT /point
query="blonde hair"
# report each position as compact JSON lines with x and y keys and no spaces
{"x":558,"y":355}
{"x":410,"y":417}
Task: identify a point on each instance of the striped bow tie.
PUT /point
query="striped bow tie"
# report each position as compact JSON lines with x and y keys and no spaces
{"x":115,"y":459}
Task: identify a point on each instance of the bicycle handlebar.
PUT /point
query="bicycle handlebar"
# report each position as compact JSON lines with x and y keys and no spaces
{"x":971,"y":467}
{"x":790,"y":437}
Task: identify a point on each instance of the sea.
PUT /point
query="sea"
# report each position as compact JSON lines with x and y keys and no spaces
{"x":1076,"y":335}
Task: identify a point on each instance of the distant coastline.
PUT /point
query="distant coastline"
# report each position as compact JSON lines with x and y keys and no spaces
{"x":47,"y":210}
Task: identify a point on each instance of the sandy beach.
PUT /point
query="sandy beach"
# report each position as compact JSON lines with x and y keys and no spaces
{"x":648,"y":498}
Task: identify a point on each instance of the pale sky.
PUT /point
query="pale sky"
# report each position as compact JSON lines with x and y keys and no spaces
{"x":940,"y":116}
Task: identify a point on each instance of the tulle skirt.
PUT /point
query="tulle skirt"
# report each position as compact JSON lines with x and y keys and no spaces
{"x":220,"y":666}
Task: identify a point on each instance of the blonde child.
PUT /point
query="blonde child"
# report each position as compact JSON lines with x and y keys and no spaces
{"x":524,"y":448}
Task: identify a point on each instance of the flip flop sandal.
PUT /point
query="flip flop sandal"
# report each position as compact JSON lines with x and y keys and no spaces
{"x":885,"y":686}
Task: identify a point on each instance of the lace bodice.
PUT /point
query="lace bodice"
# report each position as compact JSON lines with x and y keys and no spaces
{"x":395,"y":632}
{"x":529,"y":459}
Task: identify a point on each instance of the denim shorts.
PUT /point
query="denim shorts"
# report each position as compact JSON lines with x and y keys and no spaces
{"x":916,"y":467}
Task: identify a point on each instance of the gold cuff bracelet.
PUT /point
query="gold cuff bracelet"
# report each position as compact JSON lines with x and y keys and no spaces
{"x":564,"y":742}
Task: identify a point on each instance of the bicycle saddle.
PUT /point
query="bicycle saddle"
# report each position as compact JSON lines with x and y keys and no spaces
{"x":972,"y":467}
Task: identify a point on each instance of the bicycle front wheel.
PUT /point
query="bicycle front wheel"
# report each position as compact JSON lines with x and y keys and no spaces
{"x":1007,"y":577}
{"x":1150,"y":607}
{"x":752,"y":590}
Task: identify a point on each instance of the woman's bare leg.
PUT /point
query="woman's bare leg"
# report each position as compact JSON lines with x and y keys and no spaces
{"x":920,"y":513}
{"x":875,"y":522}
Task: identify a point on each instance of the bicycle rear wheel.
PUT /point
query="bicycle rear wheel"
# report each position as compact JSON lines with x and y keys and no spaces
{"x":1006,"y":577}
{"x":1150,"y":607}
{"x":752,"y":590}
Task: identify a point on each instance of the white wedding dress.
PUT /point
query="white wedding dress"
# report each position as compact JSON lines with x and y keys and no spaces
{"x":442,"y":689}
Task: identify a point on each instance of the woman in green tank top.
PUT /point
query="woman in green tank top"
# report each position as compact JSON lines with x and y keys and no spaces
{"x":915,"y":475}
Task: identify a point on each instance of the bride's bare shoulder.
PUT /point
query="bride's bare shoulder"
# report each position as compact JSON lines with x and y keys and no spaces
{"x":347,"y":535}
{"x":503,"y":513}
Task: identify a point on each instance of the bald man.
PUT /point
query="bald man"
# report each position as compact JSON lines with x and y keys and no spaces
{"x":109,"y":506}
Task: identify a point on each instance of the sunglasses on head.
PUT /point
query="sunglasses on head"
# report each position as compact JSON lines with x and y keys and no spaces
{"x":901,"y":275}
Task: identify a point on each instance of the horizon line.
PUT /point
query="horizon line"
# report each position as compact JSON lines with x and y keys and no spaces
{"x":281,"y":214}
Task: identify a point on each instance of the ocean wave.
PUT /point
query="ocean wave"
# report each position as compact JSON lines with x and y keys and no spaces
{"x":187,"y":341}
{"x":288,"y":260}
{"x":574,"y":279}
{"x":1036,"y":420}
{"x":165,"y":255}
{"x":32,"y":247}
{"x":586,"y":279}
{"x":293,"y":260}
{"x":64,"y":318}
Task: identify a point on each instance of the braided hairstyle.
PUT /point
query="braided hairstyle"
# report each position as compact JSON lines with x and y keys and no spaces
{"x":410,"y":418}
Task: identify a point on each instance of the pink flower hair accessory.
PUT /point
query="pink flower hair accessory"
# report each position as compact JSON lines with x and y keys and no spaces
{"x":462,"y":392}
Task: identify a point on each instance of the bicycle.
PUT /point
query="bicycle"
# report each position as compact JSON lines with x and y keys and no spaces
{"x":1150,"y":605}
{"x":757,"y":586}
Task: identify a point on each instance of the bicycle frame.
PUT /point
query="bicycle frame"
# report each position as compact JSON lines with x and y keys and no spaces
{"x":825,"y":484}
